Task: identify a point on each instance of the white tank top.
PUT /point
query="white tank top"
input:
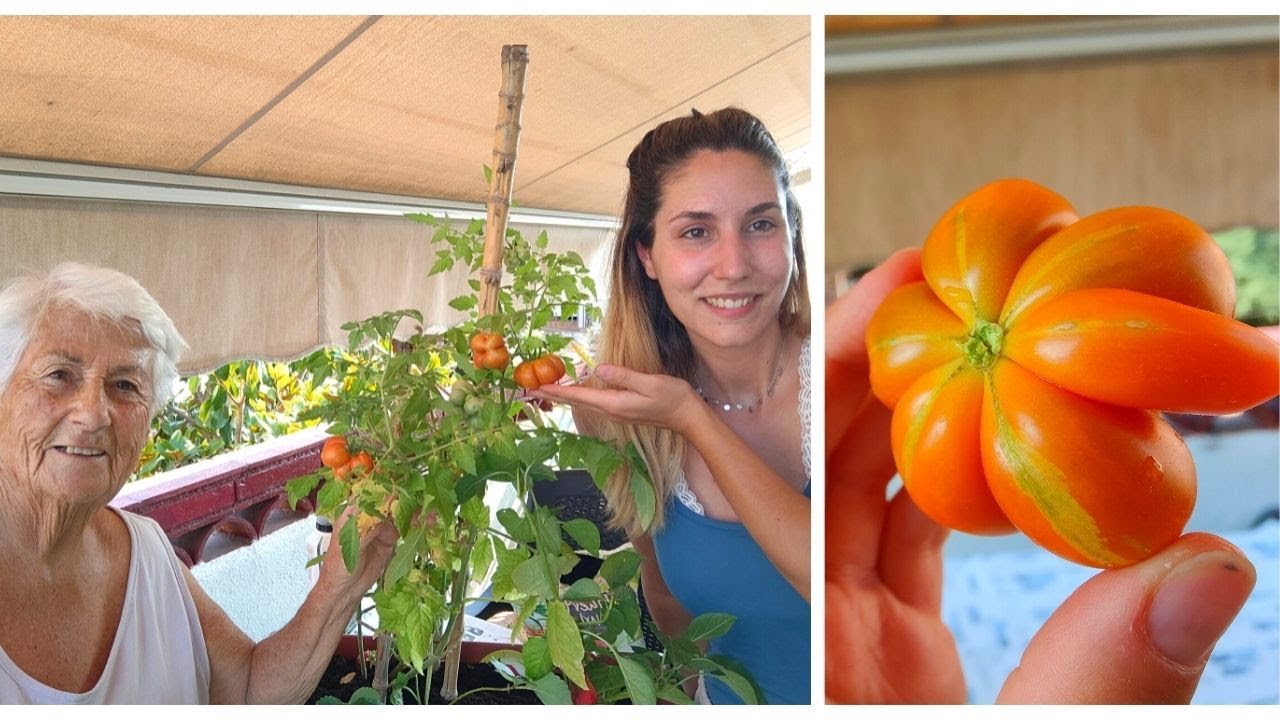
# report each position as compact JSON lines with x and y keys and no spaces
{"x":158,"y":655}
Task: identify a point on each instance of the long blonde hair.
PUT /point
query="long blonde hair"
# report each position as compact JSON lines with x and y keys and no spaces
{"x":639,"y":330}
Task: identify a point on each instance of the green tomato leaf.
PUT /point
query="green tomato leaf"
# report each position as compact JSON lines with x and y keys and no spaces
{"x":471,"y":486}
{"x":619,"y":568}
{"x":551,"y":689}
{"x":583,"y":589}
{"x":482,"y":557}
{"x":643,"y":496}
{"x":464,"y":456}
{"x":537,"y":657}
{"x":533,"y":577}
{"x":517,"y":525}
{"x":503,"y":583}
{"x":349,"y":538}
{"x":707,"y":626}
{"x":401,"y":562}
{"x":585,"y":533}
{"x":475,"y":512}
{"x":364,"y":696}
{"x":331,"y":496}
{"x":535,"y":450}
{"x":463,"y":302}
{"x":674,"y":695}
{"x":624,"y":615}
{"x":565,"y":642}
{"x":541,"y":473}
{"x":739,"y":685}
{"x":720,"y":667}
{"x":300,"y":487}
{"x":639,"y":682}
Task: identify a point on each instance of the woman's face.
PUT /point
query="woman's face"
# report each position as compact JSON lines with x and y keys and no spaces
{"x":722,"y":250}
{"x":76,"y":412}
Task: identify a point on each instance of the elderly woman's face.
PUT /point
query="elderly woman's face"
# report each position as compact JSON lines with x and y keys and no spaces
{"x":76,"y":412}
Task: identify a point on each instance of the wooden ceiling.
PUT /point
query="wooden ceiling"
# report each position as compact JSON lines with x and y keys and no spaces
{"x":394,"y":104}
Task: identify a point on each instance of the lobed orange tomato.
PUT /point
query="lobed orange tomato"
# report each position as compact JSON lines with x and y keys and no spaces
{"x":1025,"y":370}
{"x":540,"y":371}
{"x":334,"y":453}
{"x":489,"y":351}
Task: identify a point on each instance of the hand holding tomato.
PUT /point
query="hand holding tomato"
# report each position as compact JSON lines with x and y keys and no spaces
{"x":633,"y":397}
{"x":1139,"y":634}
{"x":544,"y":370}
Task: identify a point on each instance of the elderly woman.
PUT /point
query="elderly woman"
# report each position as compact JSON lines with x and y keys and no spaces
{"x":97,"y":608}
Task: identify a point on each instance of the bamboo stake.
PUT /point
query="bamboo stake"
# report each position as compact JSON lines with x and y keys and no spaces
{"x":515,"y":59}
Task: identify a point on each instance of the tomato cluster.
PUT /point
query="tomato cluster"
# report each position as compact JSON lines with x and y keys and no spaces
{"x":489,"y":351}
{"x":540,"y":371}
{"x":335,"y":455}
{"x":1026,"y":370}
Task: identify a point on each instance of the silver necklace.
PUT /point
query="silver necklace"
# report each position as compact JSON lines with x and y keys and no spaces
{"x":749,"y":406}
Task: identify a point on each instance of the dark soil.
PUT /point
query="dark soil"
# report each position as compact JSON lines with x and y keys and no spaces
{"x":470,"y":677}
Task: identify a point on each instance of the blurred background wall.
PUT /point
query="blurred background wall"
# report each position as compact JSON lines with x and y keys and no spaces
{"x":1180,"y":113}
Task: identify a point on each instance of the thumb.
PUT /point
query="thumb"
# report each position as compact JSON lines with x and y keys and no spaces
{"x":1140,"y":634}
{"x":615,"y":375}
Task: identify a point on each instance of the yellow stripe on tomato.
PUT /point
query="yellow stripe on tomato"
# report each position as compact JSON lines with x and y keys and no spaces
{"x":1144,"y":249}
{"x":1140,"y":351}
{"x":910,"y":334}
{"x":1097,"y":484}
{"x":935,"y":438}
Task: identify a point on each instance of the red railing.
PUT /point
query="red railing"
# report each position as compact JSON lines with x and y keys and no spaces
{"x":234,"y":493}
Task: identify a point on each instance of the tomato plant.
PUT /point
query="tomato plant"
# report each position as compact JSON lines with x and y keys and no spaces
{"x":431,"y":422}
{"x":1025,"y":370}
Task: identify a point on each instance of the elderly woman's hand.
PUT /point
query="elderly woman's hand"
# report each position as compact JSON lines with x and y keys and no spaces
{"x":376,"y":548}
{"x":1138,"y":634}
{"x":633,"y":397}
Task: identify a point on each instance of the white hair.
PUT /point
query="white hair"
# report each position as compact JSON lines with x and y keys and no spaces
{"x":101,"y":293}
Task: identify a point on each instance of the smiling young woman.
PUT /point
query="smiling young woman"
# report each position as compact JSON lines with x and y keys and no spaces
{"x":705,"y":367}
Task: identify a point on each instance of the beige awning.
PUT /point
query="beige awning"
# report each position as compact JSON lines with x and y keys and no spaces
{"x":404,"y":106}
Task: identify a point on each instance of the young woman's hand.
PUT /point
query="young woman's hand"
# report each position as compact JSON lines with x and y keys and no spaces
{"x":630,"y":397}
{"x":1139,"y":634}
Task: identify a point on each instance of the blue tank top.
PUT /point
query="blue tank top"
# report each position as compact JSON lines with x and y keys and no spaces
{"x":716,"y":566}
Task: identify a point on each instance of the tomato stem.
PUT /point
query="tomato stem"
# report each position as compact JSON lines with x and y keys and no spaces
{"x":984,"y":344}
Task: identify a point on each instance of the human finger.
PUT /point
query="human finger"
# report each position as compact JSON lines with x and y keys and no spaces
{"x":571,"y":394}
{"x":1140,"y":634}
{"x":911,"y":555}
{"x":847,"y":318}
{"x":858,"y":470}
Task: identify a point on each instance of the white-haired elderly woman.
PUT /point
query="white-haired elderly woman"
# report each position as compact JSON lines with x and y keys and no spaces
{"x":96,"y":607}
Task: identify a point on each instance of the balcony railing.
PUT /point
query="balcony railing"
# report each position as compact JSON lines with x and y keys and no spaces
{"x":235,"y":493}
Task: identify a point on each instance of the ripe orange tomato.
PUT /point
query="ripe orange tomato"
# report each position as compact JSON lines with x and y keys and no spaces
{"x":540,"y":371}
{"x":362,"y":460}
{"x":489,"y":351}
{"x":1026,"y":370}
{"x":342,"y":471}
{"x":334,"y":452}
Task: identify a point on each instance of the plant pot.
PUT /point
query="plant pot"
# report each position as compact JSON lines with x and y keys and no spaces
{"x":478,"y":682}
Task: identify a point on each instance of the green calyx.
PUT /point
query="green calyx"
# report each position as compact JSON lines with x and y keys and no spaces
{"x":982,"y":349}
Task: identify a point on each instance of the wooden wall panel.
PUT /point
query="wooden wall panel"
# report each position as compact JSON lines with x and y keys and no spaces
{"x":1196,"y":133}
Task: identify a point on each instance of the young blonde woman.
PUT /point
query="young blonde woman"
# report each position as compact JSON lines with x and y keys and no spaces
{"x":704,"y":364}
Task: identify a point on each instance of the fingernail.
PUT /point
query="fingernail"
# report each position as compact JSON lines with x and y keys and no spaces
{"x":1196,"y":602}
